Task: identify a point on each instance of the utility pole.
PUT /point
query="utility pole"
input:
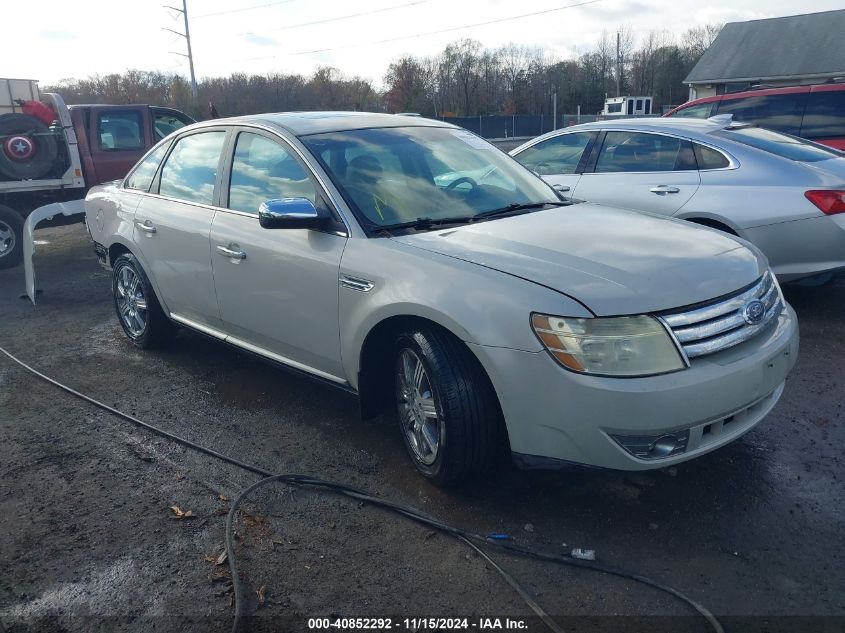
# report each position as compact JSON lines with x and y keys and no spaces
{"x":618,"y":64}
{"x":190,"y":55}
{"x":554,"y":110}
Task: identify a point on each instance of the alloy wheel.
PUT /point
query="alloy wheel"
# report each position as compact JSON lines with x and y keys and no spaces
{"x":131,"y":302}
{"x":417,"y":410}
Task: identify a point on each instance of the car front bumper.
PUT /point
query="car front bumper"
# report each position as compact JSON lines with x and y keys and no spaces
{"x":555,"y":416}
{"x":802,"y":248}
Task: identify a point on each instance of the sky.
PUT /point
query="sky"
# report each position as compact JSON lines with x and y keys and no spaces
{"x":60,"y":40}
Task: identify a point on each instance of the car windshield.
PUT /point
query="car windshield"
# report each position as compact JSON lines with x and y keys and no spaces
{"x":784,"y":145}
{"x":391,"y":176}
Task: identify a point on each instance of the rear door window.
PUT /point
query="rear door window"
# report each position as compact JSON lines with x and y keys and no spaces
{"x":776,"y":112}
{"x":557,"y":155}
{"x":168,"y":121}
{"x":643,"y":152}
{"x":824,"y":117}
{"x":191,"y":169}
{"x":120,"y":130}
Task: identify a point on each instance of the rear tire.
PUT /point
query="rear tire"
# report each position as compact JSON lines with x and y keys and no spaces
{"x":138,"y":310}
{"x":34,"y":132}
{"x":11,"y":237}
{"x":449,"y":416}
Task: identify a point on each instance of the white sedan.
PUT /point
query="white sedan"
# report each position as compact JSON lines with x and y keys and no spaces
{"x":413,"y":264}
{"x":782,"y":193}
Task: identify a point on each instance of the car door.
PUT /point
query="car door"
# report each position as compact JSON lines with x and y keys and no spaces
{"x":557,"y":159}
{"x":173,"y":222}
{"x":277,"y":289}
{"x":643,"y":171}
{"x":118,"y":141}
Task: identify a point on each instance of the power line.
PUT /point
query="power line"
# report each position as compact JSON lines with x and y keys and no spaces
{"x":427,"y":33}
{"x":259,"y":6}
{"x":347,"y":17}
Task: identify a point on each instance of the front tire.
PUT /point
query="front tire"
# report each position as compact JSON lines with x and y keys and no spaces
{"x":449,"y":417}
{"x":138,"y":310}
{"x":11,"y":237}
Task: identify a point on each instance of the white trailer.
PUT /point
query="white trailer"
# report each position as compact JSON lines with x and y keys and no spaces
{"x":627,"y":106}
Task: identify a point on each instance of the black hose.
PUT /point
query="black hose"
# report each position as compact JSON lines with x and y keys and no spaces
{"x":355,"y":493}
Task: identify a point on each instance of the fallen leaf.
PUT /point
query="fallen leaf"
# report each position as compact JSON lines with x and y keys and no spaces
{"x":222,"y":558}
{"x":223,"y":497}
{"x":260,"y":593}
{"x":179,"y":514}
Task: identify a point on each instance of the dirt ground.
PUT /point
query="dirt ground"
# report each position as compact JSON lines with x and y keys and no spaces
{"x":89,"y":540}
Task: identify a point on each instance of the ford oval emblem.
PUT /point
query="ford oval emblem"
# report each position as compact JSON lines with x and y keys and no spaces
{"x":753,"y":312}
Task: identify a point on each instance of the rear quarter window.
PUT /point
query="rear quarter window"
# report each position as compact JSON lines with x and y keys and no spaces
{"x":824,"y":117}
{"x":709,"y":158}
{"x":142,"y":176}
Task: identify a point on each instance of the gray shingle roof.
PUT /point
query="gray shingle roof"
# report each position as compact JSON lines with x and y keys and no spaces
{"x":799,"y":45}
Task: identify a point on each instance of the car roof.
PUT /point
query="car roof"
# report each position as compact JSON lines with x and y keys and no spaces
{"x":656,"y":124}
{"x":305,"y":123}
{"x":831,"y":86}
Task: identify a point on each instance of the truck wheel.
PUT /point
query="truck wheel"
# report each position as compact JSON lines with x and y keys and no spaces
{"x":27,"y":147}
{"x":449,"y":416}
{"x":137,"y":306}
{"x":11,"y":237}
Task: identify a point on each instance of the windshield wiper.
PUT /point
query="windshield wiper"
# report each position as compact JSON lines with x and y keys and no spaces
{"x":424,"y":224}
{"x":516,"y":206}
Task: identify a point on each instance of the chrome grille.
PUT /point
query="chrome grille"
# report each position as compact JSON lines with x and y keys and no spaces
{"x":723,"y":324}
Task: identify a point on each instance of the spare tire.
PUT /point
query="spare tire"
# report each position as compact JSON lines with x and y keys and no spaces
{"x":28,"y":148}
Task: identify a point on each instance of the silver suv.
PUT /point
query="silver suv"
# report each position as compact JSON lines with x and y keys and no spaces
{"x":414,"y":264}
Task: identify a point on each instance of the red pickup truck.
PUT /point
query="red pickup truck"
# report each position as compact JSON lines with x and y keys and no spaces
{"x":53,"y":153}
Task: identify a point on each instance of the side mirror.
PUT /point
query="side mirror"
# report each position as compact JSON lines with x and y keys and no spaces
{"x":290,"y":213}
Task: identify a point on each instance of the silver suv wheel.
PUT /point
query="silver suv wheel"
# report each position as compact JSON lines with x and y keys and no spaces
{"x":131,"y":302}
{"x":418,"y":413}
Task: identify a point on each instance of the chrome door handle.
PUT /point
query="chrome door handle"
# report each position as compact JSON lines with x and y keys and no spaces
{"x":145,"y":226}
{"x":231,"y":253}
{"x":664,"y":189}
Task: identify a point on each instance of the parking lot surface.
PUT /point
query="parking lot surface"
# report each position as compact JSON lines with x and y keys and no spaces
{"x":91,"y":539}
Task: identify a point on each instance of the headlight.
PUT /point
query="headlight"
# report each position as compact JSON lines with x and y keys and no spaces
{"x":617,"y":346}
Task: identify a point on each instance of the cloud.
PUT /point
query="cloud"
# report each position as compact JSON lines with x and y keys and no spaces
{"x":259,"y":40}
{"x":57,"y":35}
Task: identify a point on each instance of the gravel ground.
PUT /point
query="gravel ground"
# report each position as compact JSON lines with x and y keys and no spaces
{"x":91,"y":542}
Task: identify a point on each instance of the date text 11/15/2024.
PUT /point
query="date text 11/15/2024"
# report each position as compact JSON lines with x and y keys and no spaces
{"x":417,"y":624}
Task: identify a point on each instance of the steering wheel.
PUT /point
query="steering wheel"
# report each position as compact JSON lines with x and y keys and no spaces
{"x":460,"y":181}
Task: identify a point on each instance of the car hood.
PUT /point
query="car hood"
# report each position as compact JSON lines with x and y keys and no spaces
{"x":613,"y":261}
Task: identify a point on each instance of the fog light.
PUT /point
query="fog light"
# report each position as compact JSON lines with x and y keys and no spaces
{"x":654,"y":446}
{"x":663,"y":446}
